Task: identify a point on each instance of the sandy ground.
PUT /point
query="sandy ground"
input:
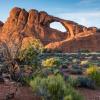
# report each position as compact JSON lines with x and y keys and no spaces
{"x":25,"y":93}
{"x":90,"y":94}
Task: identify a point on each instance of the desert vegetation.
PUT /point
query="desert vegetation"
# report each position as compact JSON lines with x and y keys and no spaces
{"x":51,"y":75}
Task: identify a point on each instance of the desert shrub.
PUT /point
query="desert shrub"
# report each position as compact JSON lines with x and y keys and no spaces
{"x":72,"y":81}
{"x":75,"y":61}
{"x":84,"y":62}
{"x":53,"y":88}
{"x":96,"y":78}
{"x":46,"y":50}
{"x":72,"y":94}
{"x":51,"y":62}
{"x":84,"y":51}
{"x":94,"y":73}
{"x":30,"y":54}
{"x":45,"y":72}
{"x":76,"y":70}
{"x":36,"y":44}
{"x":92,"y":69}
{"x":85,"y":82}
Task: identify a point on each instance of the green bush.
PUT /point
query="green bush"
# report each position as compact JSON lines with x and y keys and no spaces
{"x":71,"y":94}
{"x":51,"y":62}
{"x":53,"y":88}
{"x":95,"y":77}
{"x":85,"y":82}
{"x":73,"y":82}
{"x":30,"y":54}
{"x":93,"y":72}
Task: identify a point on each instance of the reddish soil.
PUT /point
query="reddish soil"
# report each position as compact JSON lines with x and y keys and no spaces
{"x":90,"y":94}
{"x":25,"y":93}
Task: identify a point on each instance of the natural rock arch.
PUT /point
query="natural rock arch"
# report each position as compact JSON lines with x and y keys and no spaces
{"x":22,"y":24}
{"x":66,"y":24}
{"x":58,"y":26}
{"x":69,"y":25}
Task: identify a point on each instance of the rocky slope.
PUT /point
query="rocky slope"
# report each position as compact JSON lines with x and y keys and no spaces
{"x":22,"y":25}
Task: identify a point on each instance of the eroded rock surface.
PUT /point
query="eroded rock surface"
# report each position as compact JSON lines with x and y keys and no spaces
{"x":22,"y":24}
{"x":1,"y":25}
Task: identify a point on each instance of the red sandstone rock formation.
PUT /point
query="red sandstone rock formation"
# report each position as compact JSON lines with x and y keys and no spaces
{"x":1,"y":25}
{"x":22,"y":25}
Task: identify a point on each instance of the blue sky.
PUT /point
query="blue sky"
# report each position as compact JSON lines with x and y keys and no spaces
{"x":85,"y":12}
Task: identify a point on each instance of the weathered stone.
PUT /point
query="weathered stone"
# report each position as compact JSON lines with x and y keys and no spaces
{"x":21,"y":25}
{"x":1,"y":25}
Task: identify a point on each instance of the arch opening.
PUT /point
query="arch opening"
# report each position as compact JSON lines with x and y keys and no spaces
{"x":58,"y":26}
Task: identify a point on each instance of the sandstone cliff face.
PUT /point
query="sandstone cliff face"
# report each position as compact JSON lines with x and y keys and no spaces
{"x":22,"y":25}
{"x":1,"y":25}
